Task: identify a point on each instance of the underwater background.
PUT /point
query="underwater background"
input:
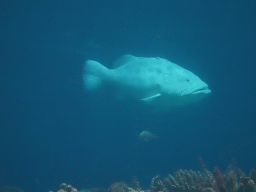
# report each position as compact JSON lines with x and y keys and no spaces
{"x":53,"y":131}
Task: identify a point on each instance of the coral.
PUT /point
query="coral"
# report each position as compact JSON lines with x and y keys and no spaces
{"x":240,"y":173}
{"x":119,"y":187}
{"x":10,"y":189}
{"x":253,"y":175}
{"x":94,"y":190}
{"x":156,"y":184}
{"x":196,"y":181}
{"x":240,"y":187}
{"x":228,"y":183}
{"x":135,"y":184}
{"x":202,"y":165}
{"x":231,"y":178}
{"x":208,"y":189}
{"x":248,"y":183}
{"x":220,"y":180}
{"x":189,"y":181}
{"x":66,"y":188}
{"x":250,"y":187}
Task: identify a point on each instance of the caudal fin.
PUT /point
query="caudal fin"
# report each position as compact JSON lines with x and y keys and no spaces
{"x":94,"y":75}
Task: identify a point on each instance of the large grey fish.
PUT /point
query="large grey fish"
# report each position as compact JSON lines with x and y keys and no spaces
{"x":151,"y":80}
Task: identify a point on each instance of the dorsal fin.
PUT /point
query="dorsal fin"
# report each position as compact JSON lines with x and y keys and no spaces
{"x":123,"y":60}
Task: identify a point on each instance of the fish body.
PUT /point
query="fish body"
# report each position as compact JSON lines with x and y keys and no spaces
{"x":146,"y":136}
{"x":151,"y":80}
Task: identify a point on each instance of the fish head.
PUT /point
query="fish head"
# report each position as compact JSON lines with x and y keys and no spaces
{"x":184,"y":84}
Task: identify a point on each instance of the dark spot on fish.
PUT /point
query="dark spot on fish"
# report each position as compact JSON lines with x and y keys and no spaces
{"x":168,"y":78}
{"x":150,"y":69}
{"x":159,"y":70}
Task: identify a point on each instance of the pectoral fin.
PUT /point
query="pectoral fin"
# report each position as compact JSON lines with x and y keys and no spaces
{"x":151,"y":97}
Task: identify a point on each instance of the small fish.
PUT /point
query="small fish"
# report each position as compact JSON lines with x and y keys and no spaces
{"x":146,"y":136}
{"x":152,"y":80}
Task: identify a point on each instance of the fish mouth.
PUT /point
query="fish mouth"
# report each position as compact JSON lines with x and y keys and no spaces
{"x":204,"y":90}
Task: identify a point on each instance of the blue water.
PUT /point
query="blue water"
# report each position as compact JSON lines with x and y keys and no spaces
{"x":53,"y":131}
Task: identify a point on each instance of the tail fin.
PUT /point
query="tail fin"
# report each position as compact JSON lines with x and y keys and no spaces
{"x":94,"y":75}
